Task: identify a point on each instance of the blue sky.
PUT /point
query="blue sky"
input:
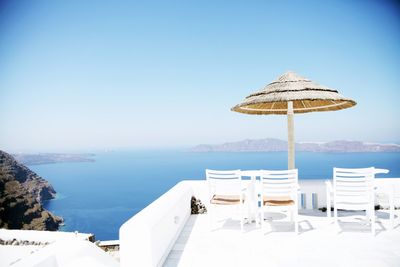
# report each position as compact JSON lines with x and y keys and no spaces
{"x":85,"y":75}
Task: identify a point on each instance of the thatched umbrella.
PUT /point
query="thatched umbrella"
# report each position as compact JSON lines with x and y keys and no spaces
{"x":291,"y":94}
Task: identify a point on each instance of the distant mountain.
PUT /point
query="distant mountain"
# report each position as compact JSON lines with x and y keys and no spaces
{"x":347,"y":146}
{"x":22,"y":193}
{"x":48,"y":158}
{"x":275,"y":145}
{"x":247,"y":145}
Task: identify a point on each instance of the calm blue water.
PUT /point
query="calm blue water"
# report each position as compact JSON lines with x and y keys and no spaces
{"x":97,"y":197}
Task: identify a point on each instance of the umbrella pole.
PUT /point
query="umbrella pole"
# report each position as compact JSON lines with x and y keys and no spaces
{"x":290,"y":121}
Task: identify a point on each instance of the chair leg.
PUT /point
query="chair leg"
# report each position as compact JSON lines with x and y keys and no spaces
{"x":336,"y":220}
{"x":241,"y":217}
{"x":368,"y":214}
{"x":296,"y":221}
{"x":391,"y":207}
{"x":372,"y":220}
{"x":328,"y":207}
{"x":262,"y":219}
{"x":210,"y":217}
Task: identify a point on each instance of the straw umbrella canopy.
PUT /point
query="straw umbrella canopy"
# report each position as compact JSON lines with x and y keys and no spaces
{"x":290,"y":94}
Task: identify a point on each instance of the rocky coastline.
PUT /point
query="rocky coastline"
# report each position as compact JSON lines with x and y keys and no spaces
{"x":52,"y":158}
{"x":22,"y":194}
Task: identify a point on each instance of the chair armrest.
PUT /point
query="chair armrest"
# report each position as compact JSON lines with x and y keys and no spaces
{"x":381,"y":171}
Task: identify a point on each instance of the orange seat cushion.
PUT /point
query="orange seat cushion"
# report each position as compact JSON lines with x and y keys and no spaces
{"x":225,"y":199}
{"x":277,"y":201}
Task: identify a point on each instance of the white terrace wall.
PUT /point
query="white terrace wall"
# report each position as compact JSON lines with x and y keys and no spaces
{"x":147,"y":238}
{"x":66,"y":251}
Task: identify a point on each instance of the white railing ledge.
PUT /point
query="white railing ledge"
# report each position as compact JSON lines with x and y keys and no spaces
{"x":147,"y":238}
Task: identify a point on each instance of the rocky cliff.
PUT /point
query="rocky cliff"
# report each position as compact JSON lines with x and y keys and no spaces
{"x":22,"y":193}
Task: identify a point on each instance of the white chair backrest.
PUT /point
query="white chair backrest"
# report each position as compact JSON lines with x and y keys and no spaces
{"x":281,"y":183}
{"x":224,"y":182}
{"x":353,"y":185}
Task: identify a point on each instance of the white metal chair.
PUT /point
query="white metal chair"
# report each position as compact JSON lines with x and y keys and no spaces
{"x":225,"y":189}
{"x":353,"y":190}
{"x":279,"y":192}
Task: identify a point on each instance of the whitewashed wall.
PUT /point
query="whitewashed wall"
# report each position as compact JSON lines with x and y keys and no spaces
{"x":147,"y":238}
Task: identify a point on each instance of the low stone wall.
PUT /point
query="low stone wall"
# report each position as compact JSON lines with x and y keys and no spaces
{"x":33,"y":237}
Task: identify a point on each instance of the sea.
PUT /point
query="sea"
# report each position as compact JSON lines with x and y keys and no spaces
{"x":98,"y":197}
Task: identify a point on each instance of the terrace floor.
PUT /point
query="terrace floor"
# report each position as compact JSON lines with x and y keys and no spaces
{"x":317,"y":244}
